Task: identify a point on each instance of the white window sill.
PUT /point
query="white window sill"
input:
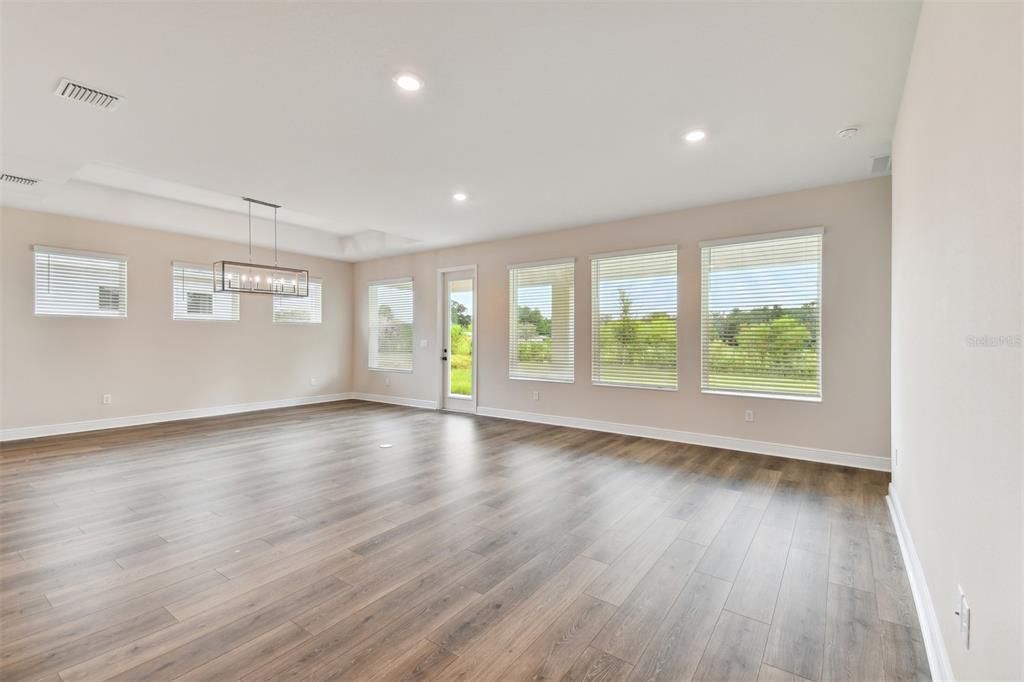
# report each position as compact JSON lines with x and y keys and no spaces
{"x":770,"y":396}
{"x":644,"y":387}
{"x":547,"y":381}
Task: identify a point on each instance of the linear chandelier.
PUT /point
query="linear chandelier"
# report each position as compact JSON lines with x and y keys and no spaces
{"x":254,"y":278}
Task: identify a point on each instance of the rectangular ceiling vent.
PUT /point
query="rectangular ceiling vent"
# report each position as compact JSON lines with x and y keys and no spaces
{"x":18,"y":180}
{"x":83,"y":93}
{"x":881,"y":165}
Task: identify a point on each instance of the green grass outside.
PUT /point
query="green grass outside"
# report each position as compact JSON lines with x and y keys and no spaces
{"x":798,"y":386}
{"x":462,"y":381}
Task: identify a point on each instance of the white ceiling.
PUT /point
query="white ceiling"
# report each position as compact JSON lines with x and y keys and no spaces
{"x":547,"y":115}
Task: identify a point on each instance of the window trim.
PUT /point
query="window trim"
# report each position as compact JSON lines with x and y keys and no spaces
{"x":508,"y":335}
{"x":412,"y":362}
{"x":200,"y":266}
{"x":99,"y":255}
{"x":763,"y":236}
{"x":309,"y":285}
{"x":641,"y":251}
{"x":636,"y":252}
{"x":817,"y":230}
{"x":542,"y":263}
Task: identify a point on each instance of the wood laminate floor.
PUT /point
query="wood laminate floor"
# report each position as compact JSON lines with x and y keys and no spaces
{"x":288,"y":544}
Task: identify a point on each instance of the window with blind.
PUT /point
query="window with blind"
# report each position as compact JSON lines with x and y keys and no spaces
{"x":634,"y":305}
{"x":300,"y":309}
{"x":761,"y":315}
{"x":194,"y":298}
{"x":80,"y":283}
{"x":541,"y":321}
{"x":391,"y":325}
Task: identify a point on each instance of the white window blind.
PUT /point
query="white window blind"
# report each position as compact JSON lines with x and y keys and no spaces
{"x":761,"y":314}
{"x":301,"y":309}
{"x":80,"y":283}
{"x":194,"y":298}
{"x":541,"y":323}
{"x":634,"y":314}
{"x":391,"y":325}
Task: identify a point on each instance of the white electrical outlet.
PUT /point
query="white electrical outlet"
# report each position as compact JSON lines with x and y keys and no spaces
{"x":536,"y":395}
{"x":963,"y":610}
{"x":387,"y":381}
{"x":107,"y":399}
{"x":312,"y":381}
{"x":748,"y":416}
{"x":423,"y":343}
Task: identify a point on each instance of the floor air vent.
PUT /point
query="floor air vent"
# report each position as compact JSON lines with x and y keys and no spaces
{"x":83,"y":93}
{"x":18,"y":180}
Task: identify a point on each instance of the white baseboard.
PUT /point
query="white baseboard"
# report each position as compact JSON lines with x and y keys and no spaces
{"x":155,"y":417}
{"x":938,"y":657}
{"x":849,"y":459}
{"x":395,"y":400}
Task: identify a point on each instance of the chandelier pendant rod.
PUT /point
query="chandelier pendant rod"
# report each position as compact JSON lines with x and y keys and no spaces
{"x":250,"y":232}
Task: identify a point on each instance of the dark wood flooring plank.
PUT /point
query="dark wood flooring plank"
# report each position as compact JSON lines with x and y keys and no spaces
{"x":621,"y":535}
{"x":734,"y":652}
{"x":631,"y":628}
{"x":623,"y":574}
{"x":770,"y":674}
{"x":488,"y":657}
{"x":850,"y":556}
{"x":903,"y":653}
{"x":424,"y":661}
{"x":402,"y":635}
{"x":463,"y":630}
{"x":796,"y":641}
{"x":726,"y":553}
{"x":677,"y":647}
{"x":595,"y":665}
{"x":553,"y":653}
{"x":853,"y":636}
{"x":53,"y":659}
{"x":756,"y":588}
{"x":892,"y":588}
{"x":249,"y":656}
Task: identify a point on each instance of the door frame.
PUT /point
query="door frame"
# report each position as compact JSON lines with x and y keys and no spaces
{"x":442,"y":332}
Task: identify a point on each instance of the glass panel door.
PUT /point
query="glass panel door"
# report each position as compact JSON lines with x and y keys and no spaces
{"x":458,"y":356}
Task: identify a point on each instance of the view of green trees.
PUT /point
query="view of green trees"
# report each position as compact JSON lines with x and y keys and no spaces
{"x":638,"y":349}
{"x":394,"y":342}
{"x":763,"y":349}
{"x":460,"y":350}
{"x":534,"y":337}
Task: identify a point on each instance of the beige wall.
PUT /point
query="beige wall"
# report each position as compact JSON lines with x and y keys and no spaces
{"x":55,"y":370}
{"x":957,"y":410}
{"x":853,"y":417}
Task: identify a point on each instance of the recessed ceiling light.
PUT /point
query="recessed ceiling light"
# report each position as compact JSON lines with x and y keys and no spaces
{"x":460,"y":196}
{"x":847,"y":133}
{"x":408,"y":82}
{"x":695,"y":136}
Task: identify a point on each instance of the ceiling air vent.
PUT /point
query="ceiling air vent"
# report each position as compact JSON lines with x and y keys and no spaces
{"x":881,"y":165}
{"x":83,"y":93}
{"x":18,"y":180}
